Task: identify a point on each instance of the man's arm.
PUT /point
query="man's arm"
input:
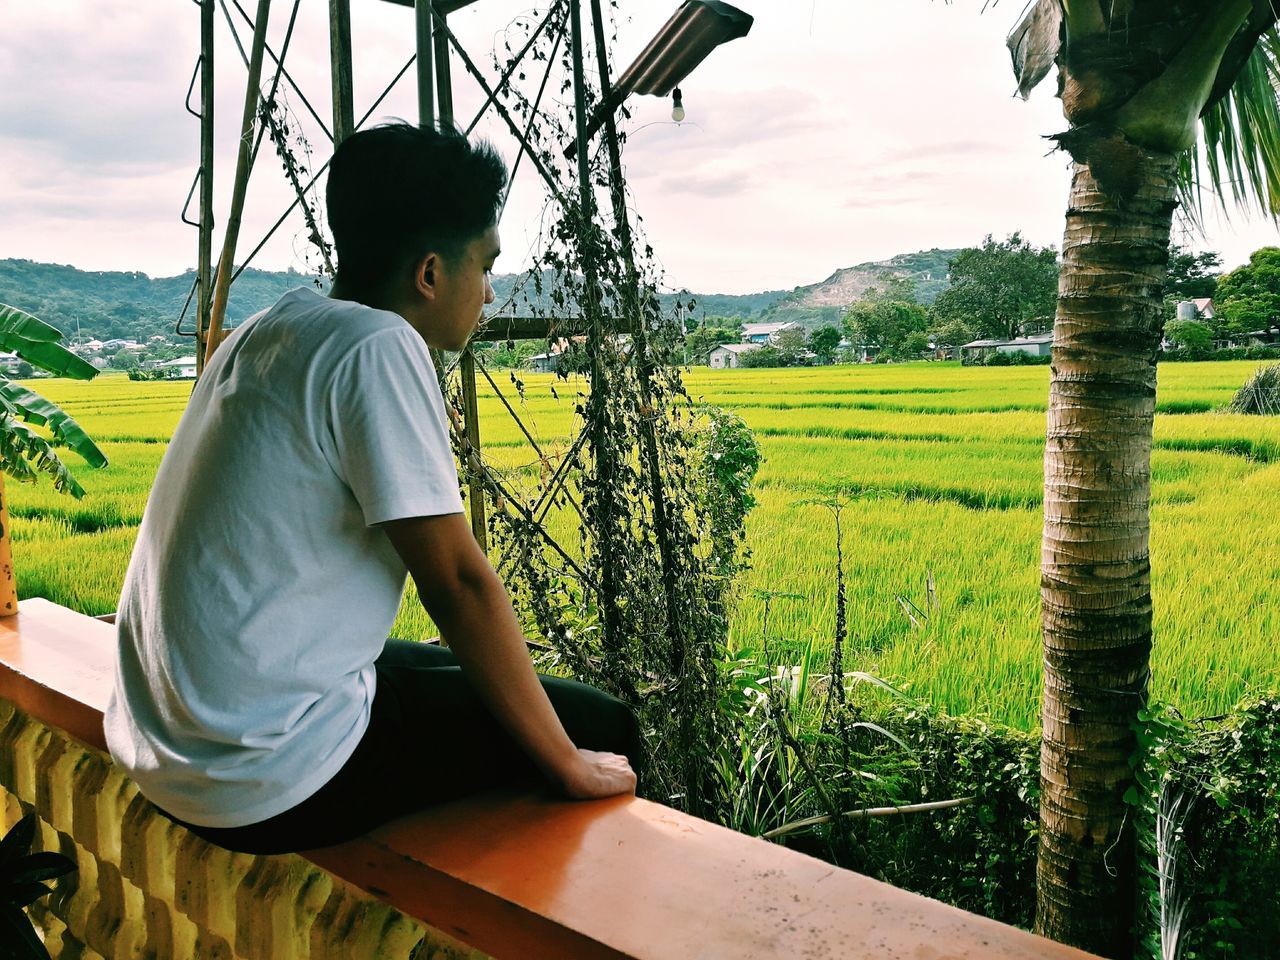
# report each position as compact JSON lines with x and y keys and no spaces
{"x":467,"y":601}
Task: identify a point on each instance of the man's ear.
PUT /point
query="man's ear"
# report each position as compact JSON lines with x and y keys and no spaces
{"x":425,"y":274}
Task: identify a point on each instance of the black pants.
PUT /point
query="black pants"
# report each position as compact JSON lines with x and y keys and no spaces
{"x":430,"y":739}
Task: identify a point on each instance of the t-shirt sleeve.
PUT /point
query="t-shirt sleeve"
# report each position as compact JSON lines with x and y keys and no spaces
{"x":390,"y":431}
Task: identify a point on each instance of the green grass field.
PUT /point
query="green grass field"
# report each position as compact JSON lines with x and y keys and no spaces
{"x":945,"y":465}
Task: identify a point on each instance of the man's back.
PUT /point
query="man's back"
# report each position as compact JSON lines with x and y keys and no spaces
{"x":260,"y":592}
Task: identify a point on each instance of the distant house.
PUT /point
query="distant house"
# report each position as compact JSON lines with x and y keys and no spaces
{"x":183,"y":368}
{"x":1262,"y":338}
{"x":727,"y":355}
{"x":9,"y":362}
{"x":545,"y":362}
{"x":862,"y":352}
{"x":761,"y":333}
{"x":1038,"y":346}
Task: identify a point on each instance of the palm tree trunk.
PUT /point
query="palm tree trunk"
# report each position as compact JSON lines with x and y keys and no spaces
{"x":8,"y":588}
{"x":1095,"y":570}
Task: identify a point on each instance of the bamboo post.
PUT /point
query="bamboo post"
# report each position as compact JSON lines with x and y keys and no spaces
{"x":344,"y":113}
{"x":8,"y":588}
{"x":204,"y":264}
{"x":244,"y":167}
{"x":467,"y":365}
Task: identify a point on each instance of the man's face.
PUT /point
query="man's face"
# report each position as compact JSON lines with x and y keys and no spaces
{"x":462,"y":292}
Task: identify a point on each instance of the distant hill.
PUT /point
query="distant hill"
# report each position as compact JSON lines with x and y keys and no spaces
{"x":106,"y":304}
{"x":826,"y":302}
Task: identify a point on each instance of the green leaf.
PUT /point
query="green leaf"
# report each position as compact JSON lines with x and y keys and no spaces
{"x":24,"y":454}
{"x":1240,"y":139}
{"x":33,"y":408}
{"x":41,"y":866}
{"x":24,"y":894}
{"x":38,"y":343}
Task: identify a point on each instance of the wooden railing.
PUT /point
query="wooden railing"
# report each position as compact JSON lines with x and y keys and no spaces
{"x":505,"y":875}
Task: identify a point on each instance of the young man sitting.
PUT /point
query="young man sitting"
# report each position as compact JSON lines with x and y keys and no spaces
{"x":257,"y":699}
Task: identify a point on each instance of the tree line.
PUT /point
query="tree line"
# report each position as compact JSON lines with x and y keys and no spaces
{"x":1005,"y":289}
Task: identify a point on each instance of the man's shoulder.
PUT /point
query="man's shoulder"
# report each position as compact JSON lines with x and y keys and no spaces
{"x":336,"y":326}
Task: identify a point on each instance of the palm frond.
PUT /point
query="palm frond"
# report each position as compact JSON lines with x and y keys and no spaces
{"x":18,"y":401}
{"x":40,"y":345}
{"x":1239,"y":140}
{"x":1034,"y":44}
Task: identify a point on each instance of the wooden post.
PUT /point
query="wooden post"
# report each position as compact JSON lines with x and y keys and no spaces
{"x":8,"y":587}
{"x":244,"y":166}
{"x":344,"y":113}
{"x":204,"y":264}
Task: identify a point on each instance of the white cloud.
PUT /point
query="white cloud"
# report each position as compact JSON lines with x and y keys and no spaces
{"x":834,"y":133}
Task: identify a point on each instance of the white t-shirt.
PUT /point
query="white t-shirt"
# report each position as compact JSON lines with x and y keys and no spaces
{"x":260,"y":592}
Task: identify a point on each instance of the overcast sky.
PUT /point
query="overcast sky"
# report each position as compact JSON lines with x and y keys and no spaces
{"x":837,"y":131}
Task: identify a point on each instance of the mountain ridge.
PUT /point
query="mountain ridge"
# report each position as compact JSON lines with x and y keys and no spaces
{"x":106,"y":304}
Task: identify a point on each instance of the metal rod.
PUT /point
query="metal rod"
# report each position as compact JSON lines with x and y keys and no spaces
{"x":340,"y":67}
{"x":551,"y":182}
{"x":270,"y":102}
{"x":287,"y":75}
{"x":192,"y":85}
{"x":511,"y":67}
{"x":533,"y":115}
{"x":316,"y":176}
{"x":195,"y":182}
{"x":422,"y":11}
{"x":244,"y":167}
{"x":204,"y":254}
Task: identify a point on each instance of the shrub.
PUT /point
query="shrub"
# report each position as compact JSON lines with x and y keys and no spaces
{"x":1213,"y":788}
{"x":994,"y":358}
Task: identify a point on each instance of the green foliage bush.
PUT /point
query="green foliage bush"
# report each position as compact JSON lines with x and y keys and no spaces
{"x":994,"y":358}
{"x":1256,"y":352}
{"x":1223,"y":843}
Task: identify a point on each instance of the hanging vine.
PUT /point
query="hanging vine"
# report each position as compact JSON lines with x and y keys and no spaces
{"x":639,"y":604}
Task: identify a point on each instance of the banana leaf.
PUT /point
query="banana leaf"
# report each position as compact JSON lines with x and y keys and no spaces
{"x":24,"y":454}
{"x":39,"y":344}
{"x":18,"y":401}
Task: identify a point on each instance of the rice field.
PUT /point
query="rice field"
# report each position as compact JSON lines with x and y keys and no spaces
{"x":945,"y":466}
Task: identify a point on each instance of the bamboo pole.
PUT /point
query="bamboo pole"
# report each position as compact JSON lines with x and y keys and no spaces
{"x":467,"y":365}
{"x":244,"y":167}
{"x":344,"y":111}
{"x":8,"y":588}
{"x":936,"y":805}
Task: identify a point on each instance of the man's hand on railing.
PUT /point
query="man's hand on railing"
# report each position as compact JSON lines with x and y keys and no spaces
{"x":599,"y":775}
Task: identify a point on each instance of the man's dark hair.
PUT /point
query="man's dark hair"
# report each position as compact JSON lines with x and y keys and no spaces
{"x":398,"y":191}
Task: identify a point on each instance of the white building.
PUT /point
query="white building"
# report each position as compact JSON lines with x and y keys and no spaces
{"x":727,"y":355}
{"x":1040,"y":345}
{"x":183,"y":368}
{"x":760,"y":333}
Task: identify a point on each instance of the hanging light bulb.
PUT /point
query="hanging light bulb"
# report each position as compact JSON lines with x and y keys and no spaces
{"x":677,"y":106}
